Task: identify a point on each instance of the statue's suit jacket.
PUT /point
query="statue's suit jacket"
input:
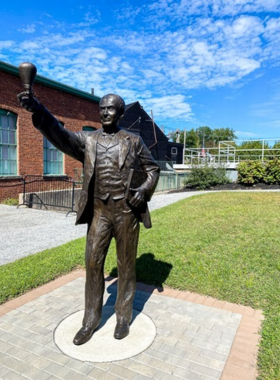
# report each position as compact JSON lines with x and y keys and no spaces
{"x":133,"y":153}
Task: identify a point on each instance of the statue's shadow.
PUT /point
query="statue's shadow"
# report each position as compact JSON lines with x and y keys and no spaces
{"x":148,"y":271}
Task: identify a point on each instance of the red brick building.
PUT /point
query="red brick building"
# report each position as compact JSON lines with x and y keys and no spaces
{"x":23,"y":150}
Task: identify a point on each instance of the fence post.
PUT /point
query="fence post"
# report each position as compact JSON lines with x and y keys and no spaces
{"x":73,"y":196}
{"x":23,"y":194}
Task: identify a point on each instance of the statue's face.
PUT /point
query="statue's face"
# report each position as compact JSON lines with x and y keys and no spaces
{"x":109,"y":111}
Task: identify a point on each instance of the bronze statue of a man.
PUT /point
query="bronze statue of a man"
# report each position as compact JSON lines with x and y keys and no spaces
{"x":107,"y":156}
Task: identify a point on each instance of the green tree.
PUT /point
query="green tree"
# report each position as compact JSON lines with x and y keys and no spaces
{"x":275,"y":153}
{"x":210,"y":137}
{"x":192,"y":139}
{"x":276,"y":145}
{"x":223,"y":134}
{"x":205,"y":135}
{"x":251,"y":154}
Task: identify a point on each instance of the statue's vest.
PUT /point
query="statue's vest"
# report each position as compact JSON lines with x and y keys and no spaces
{"x":108,"y":181}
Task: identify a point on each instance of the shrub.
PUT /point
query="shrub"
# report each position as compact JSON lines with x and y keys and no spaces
{"x":10,"y":202}
{"x":204,"y":177}
{"x":251,"y":172}
{"x":272,"y":171}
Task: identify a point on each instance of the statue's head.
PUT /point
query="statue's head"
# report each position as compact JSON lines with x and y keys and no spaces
{"x":111,"y":110}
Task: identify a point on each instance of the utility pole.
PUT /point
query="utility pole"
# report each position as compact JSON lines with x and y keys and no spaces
{"x":184,"y":149}
{"x":177,"y":136}
{"x":203,"y":143}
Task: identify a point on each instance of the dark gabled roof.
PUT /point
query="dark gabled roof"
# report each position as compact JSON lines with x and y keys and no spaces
{"x":137,"y":120}
{"x":128,"y":106}
{"x":51,"y":83}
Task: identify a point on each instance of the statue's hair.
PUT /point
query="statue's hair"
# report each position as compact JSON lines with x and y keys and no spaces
{"x":120,"y":101}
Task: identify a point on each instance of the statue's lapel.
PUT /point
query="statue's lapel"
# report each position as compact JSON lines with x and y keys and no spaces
{"x":94,"y":140}
{"x":124,"y":147}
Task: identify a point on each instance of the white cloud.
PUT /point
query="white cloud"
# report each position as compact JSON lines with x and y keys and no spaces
{"x":6,"y":44}
{"x":234,"y":7}
{"x":128,"y":13}
{"x":271,"y":50}
{"x":180,"y":9}
{"x":209,"y":53}
{"x":197,"y":47}
{"x":59,"y":40}
{"x":28,"y":45}
{"x":169,"y":107}
{"x":89,"y":19}
{"x":28,"y":29}
{"x":246,"y":26}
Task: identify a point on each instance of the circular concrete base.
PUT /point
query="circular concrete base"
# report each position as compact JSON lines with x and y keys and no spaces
{"x":103,"y":347}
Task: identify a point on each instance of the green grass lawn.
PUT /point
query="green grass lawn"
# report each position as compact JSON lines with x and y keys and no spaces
{"x":225,"y":245}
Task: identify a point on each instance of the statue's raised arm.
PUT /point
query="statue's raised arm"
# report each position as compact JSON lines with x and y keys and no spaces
{"x":68,"y":142}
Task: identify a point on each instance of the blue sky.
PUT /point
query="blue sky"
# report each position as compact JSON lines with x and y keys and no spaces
{"x":193,"y":62}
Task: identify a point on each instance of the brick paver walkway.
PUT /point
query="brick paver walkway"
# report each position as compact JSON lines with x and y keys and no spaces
{"x":197,"y":337}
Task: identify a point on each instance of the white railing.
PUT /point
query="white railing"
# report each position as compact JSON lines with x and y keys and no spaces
{"x":231,"y":152}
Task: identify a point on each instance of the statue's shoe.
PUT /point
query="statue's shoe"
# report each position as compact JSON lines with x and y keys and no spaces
{"x":121,"y":330}
{"x":83,"y":336}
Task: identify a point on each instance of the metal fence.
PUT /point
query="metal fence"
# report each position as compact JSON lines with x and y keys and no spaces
{"x":170,"y":181}
{"x":78,"y":176}
{"x":48,"y":192}
{"x":58,"y":193}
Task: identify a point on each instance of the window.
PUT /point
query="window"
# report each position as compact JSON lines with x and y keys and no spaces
{"x":90,"y":129}
{"x":53,"y":159}
{"x":174,"y":151}
{"x":8,"y":143}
